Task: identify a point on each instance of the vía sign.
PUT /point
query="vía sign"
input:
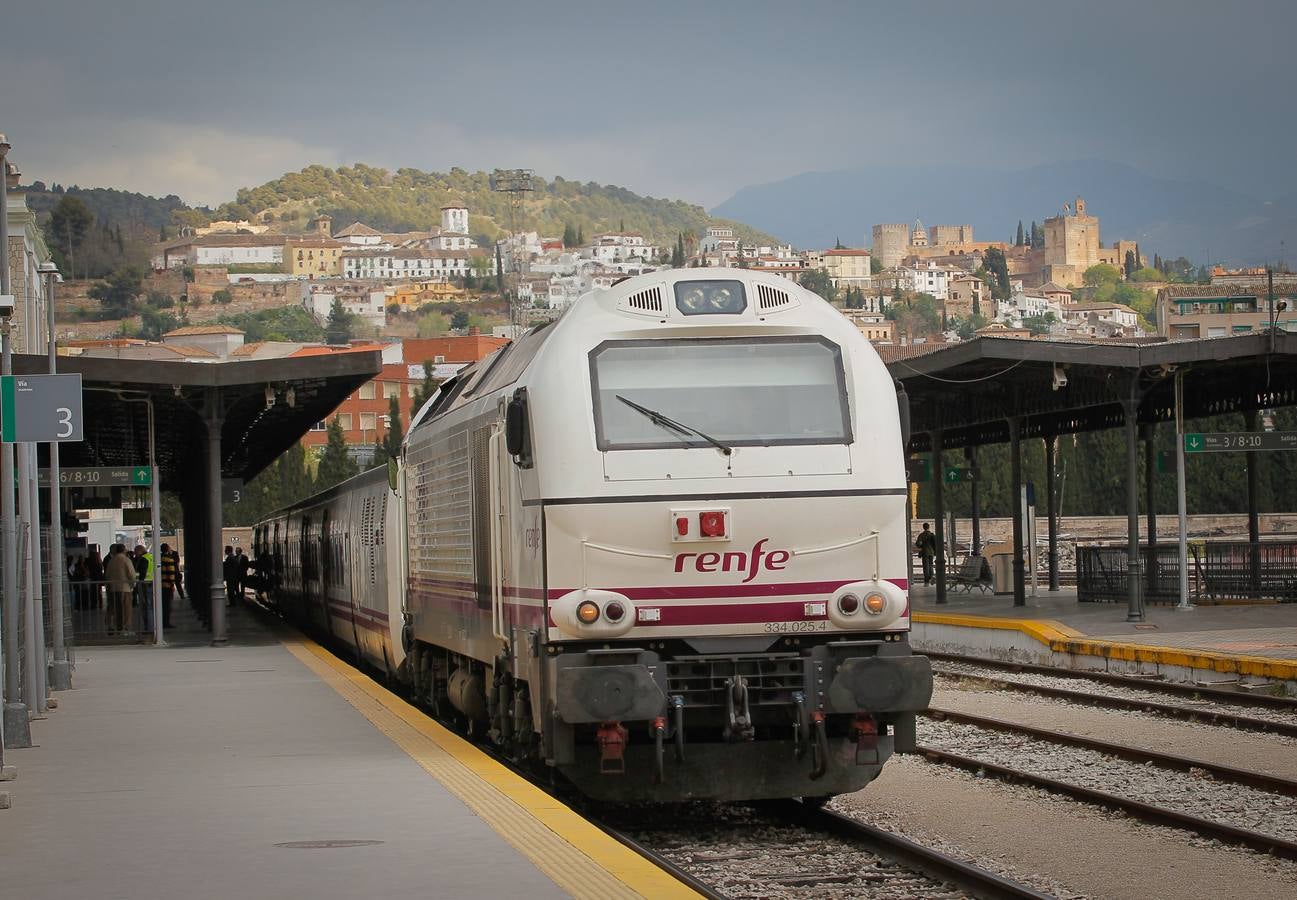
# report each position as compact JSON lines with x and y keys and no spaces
{"x":40,"y":408}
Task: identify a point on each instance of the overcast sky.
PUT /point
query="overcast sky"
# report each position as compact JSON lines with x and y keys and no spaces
{"x":684,"y":100}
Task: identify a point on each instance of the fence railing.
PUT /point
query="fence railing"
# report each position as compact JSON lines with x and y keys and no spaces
{"x":1218,"y":571}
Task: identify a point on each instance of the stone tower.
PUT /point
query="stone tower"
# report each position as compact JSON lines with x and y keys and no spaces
{"x":1071,"y":244}
{"x":454,"y":219}
{"x":919,"y":236}
{"x":890,"y":244}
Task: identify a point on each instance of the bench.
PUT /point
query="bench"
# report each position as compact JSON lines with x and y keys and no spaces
{"x":974,"y":572}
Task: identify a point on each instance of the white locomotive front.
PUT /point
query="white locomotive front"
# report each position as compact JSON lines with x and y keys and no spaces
{"x":660,"y":544}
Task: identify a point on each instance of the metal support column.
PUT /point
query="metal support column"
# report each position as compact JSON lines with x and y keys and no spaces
{"x":216,"y":589}
{"x":17,"y":730}
{"x":1134,"y":598}
{"x":60,"y":668}
{"x":1015,"y":468}
{"x":970,"y":457}
{"x":939,"y":496}
{"x":1253,"y":517}
{"x":1180,"y":501}
{"x":29,"y":571}
{"x":1051,"y":507}
{"x":1150,"y":505}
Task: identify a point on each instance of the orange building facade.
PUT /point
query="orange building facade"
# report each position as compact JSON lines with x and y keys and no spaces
{"x":364,"y":414}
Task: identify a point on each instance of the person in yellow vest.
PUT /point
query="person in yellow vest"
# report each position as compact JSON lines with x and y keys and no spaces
{"x":168,"y":570}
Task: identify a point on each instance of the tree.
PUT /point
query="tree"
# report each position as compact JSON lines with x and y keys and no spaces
{"x":162,"y":232}
{"x":1019,"y":240}
{"x":118,"y":291}
{"x":1037,"y":237}
{"x":1129,"y":266}
{"x":569,"y":236}
{"x":1039,"y":324}
{"x":998,"y":268}
{"x":621,"y":227}
{"x":390,"y":446}
{"x":678,"y":254}
{"x":818,"y":281}
{"x":423,"y":393}
{"x":154,"y":324}
{"x":499,"y":271}
{"x":1101,"y":273}
{"x":580,"y":235}
{"x":459,"y":320}
{"x":281,"y":323}
{"x":336,"y":464}
{"x":837,"y":244}
{"x":222,"y":297}
{"x":69,"y":223}
{"x":338,"y":329}
{"x":967,"y":328}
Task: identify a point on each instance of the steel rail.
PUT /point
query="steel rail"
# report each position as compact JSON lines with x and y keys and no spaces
{"x":1263,"y":843}
{"x":1273,"y":783}
{"x":1225,"y":695}
{"x":1213,"y":717}
{"x":933,"y":863}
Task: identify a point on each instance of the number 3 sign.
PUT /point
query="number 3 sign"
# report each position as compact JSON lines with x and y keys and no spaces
{"x":40,"y":408}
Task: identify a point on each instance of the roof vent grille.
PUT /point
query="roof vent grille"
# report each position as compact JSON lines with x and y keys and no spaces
{"x":770,"y":298}
{"x":647,"y":302}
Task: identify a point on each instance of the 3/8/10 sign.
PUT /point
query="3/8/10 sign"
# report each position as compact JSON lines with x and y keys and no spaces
{"x":1218,"y":442}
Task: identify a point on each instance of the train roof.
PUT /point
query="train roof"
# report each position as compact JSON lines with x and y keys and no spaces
{"x":642,"y":303}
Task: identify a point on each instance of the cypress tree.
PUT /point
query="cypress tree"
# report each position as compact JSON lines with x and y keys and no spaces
{"x":1018,"y":241}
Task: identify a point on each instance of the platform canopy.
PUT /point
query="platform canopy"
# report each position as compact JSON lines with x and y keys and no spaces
{"x":265,"y":405}
{"x":970,"y":390}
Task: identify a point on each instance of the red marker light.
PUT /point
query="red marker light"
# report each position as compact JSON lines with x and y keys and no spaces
{"x":682,"y":525}
{"x":711,"y":524}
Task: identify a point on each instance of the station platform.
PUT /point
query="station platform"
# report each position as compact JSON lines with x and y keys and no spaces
{"x":268,"y":768}
{"x":1206,"y":643}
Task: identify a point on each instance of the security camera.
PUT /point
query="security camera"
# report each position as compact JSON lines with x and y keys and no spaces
{"x":1060,"y":377}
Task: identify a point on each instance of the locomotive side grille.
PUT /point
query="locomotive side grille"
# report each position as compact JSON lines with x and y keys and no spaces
{"x":772,"y":298}
{"x":647,"y":302}
{"x":481,"y":516}
{"x":703,"y":681}
{"x":439,"y":511}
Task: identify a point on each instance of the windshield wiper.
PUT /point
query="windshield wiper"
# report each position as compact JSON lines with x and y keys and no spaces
{"x":666,"y":422}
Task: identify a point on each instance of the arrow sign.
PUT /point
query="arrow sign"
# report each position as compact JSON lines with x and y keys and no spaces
{"x":141,"y":475}
{"x":957,"y":474}
{"x":1193,"y":443}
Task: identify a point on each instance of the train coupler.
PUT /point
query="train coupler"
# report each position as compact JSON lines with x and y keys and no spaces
{"x":820,"y":747}
{"x":865,"y":729}
{"x":611,"y":738}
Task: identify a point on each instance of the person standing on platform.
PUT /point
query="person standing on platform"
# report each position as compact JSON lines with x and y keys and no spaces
{"x":927,"y":547}
{"x":95,"y":577}
{"x":167,"y":571}
{"x":233,"y":578}
{"x":245,"y":567}
{"x":143,"y":595}
{"x":120,"y":573}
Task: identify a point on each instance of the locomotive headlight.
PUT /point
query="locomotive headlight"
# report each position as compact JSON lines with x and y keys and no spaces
{"x":848,"y":603}
{"x":867,"y":605}
{"x":875,"y":603}
{"x":593,"y":614}
{"x":710,"y":298}
{"x":588,"y":612}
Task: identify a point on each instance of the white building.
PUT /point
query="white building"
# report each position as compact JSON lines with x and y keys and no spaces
{"x":1116,"y":313}
{"x":929,"y":277}
{"x":410,"y":263}
{"x":367,"y":302}
{"x":219,"y":340}
{"x":1026,"y":305}
{"x":358,"y":234}
{"x":718,"y":238}
{"x":618,"y":247}
{"x":454,"y":219}
{"x":27,"y":251}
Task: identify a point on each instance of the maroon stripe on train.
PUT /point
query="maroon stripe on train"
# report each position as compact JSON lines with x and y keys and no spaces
{"x":521,"y":593}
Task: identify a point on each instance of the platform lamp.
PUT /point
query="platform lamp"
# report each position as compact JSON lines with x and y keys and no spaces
{"x":60,"y":669}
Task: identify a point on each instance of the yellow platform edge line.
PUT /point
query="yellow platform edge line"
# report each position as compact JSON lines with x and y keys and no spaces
{"x":598,"y":849}
{"x":1062,"y":639}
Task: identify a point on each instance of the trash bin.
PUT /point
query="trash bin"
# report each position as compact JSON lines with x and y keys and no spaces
{"x":1002,"y":573}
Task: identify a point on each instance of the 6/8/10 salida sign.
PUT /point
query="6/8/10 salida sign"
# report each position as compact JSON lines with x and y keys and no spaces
{"x":40,"y":408}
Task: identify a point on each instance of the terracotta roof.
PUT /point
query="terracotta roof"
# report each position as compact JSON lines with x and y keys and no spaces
{"x":191,"y":330}
{"x":846,"y":251}
{"x":238,"y":240}
{"x":893,"y":352}
{"x":1052,"y":288}
{"x":356,"y":229}
{"x":183,"y":350}
{"x":313,"y":242}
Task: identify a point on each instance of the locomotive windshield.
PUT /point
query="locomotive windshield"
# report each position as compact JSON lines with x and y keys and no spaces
{"x":739,"y":391}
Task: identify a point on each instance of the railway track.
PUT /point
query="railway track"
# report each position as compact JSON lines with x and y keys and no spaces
{"x":1198,"y":691}
{"x":787,"y":849}
{"x":1280,"y":717}
{"x":1265,"y":805}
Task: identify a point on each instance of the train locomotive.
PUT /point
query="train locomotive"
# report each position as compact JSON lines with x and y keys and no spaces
{"x":658,"y":544}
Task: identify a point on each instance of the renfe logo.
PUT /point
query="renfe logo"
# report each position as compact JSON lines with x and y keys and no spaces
{"x":737,"y":561}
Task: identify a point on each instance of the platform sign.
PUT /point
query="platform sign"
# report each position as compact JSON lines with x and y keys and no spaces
{"x":957,"y":475}
{"x":231,"y":490}
{"x":101,"y":476}
{"x":919,"y":470}
{"x":40,"y":408}
{"x":1233,"y":441}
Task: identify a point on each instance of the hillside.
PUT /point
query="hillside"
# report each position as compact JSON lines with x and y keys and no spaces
{"x":112,"y":207}
{"x":409,"y":200}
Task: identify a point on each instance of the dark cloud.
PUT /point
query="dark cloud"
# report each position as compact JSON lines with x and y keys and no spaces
{"x":675,"y":99}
